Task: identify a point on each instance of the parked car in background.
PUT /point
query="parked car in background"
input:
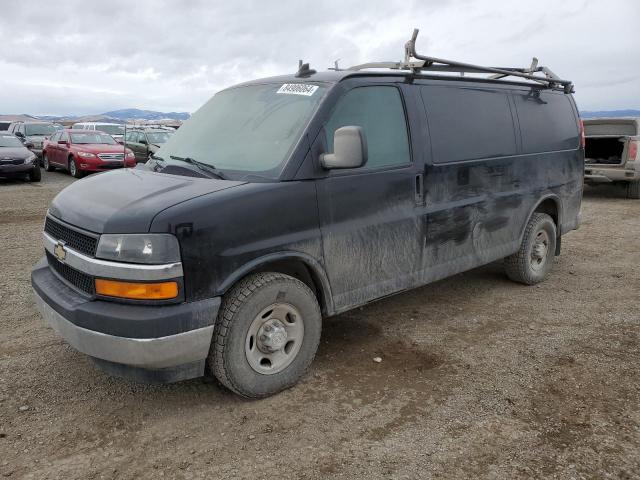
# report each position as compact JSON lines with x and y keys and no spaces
{"x":81,"y":152}
{"x":116,"y":130}
{"x":16,"y":160}
{"x":289,"y":199}
{"x":612,"y":152}
{"x":146,"y":141}
{"x":33,"y":134}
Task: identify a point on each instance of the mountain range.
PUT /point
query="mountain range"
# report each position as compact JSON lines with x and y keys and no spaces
{"x":120,"y":116}
{"x":610,"y":113}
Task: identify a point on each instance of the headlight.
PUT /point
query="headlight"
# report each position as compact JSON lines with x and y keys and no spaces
{"x":31,"y":158}
{"x":152,"y":248}
{"x":86,"y":154}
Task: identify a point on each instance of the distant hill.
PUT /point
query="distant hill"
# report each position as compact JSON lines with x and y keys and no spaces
{"x":135,"y":113}
{"x":610,"y":113}
{"x":120,"y":116}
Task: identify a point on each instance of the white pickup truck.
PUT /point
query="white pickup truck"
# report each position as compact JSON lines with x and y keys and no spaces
{"x":612,"y":152}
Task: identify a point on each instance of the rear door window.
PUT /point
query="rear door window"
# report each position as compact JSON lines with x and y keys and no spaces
{"x":468,"y":123}
{"x":547,"y":121}
{"x":380,"y":113}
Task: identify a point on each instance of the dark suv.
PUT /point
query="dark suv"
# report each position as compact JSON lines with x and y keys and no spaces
{"x":144,"y":142}
{"x":33,"y":134}
{"x":289,"y":199}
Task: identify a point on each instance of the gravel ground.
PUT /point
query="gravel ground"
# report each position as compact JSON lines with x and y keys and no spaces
{"x":479,"y":378}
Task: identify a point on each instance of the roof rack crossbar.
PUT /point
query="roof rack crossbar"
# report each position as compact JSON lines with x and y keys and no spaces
{"x":416,"y":62}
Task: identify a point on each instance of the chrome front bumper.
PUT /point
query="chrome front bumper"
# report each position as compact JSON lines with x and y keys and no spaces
{"x":149,"y":353}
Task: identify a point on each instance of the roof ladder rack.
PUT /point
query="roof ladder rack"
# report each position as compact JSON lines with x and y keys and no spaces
{"x":420,"y":63}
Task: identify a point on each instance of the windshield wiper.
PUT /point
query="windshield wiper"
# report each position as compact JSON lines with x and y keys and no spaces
{"x":205,"y":167}
{"x":158,"y":161}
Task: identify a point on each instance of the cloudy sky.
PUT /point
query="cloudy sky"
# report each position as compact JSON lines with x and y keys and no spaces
{"x":85,"y":57}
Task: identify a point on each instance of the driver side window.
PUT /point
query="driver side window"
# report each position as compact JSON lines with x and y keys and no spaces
{"x":380,"y":113}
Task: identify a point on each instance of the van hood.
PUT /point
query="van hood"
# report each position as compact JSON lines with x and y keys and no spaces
{"x":127,"y":200}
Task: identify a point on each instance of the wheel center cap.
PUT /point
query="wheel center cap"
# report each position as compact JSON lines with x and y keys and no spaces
{"x":539,"y":251}
{"x":272,"y":336}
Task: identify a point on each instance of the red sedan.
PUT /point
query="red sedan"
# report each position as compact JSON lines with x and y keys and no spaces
{"x":82,"y":151}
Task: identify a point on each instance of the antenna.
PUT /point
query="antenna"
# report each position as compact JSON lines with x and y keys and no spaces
{"x":304,"y":70}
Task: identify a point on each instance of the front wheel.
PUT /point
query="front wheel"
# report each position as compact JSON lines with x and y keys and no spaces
{"x":74,"y":170}
{"x":532,"y":262}
{"x":35,"y":175}
{"x":266,"y":335}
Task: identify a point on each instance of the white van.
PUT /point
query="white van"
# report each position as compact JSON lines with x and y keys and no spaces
{"x":116,"y":130}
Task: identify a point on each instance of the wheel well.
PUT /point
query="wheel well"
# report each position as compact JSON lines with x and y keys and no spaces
{"x":550,"y":207}
{"x":300,"y":270}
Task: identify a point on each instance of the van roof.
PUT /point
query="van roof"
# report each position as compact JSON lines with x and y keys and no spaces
{"x":335,"y":76}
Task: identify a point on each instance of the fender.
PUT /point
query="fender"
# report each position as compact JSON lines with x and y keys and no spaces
{"x":558,"y":203}
{"x":314,"y":265}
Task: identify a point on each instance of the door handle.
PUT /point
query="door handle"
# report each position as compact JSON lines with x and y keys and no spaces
{"x":419,"y":189}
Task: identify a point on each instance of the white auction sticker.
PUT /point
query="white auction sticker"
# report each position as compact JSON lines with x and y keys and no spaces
{"x":297,"y":89}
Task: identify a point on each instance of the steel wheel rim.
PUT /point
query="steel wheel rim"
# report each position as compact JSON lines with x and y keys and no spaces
{"x":539,"y":250}
{"x":72,"y":168}
{"x":45,"y":161}
{"x":274,"y":338}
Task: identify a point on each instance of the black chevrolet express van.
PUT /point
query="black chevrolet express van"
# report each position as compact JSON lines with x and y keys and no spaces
{"x":289,"y":199}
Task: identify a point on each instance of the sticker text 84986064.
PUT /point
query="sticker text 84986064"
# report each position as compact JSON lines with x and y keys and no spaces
{"x":297,"y":89}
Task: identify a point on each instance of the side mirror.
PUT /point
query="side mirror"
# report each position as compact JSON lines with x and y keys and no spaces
{"x":143,"y":142}
{"x":349,"y":149}
{"x":19,"y":134}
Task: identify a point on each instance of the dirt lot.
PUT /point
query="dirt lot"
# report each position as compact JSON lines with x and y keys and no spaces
{"x":480,"y":378}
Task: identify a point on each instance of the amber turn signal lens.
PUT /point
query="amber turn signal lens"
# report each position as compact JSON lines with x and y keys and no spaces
{"x":137,"y":291}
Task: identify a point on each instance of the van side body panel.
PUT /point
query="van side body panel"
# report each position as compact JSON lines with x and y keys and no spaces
{"x":365,"y":235}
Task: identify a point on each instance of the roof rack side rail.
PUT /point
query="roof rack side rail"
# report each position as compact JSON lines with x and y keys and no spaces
{"x":416,"y":62}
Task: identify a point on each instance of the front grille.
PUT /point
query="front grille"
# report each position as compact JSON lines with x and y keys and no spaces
{"x":111,"y":156}
{"x":80,"y":280}
{"x":80,"y":242}
{"x":11,"y":162}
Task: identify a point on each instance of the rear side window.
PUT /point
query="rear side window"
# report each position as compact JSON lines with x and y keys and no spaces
{"x":380,"y":113}
{"x":468,"y":123}
{"x":547,"y":121}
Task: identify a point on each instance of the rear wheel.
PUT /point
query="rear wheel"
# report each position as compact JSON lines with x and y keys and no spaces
{"x":73,"y":169}
{"x":633,"y":190}
{"x":266,"y":335}
{"x":532,"y":262}
{"x":45,"y":163}
{"x":35,"y":175}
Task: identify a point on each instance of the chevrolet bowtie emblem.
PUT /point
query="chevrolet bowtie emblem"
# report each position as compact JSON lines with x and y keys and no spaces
{"x":59,"y":251}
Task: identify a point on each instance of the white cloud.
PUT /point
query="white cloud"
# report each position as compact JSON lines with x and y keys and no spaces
{"x":72,"y":56}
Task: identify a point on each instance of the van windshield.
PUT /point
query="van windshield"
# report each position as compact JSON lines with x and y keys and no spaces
{"x":248,"y":130}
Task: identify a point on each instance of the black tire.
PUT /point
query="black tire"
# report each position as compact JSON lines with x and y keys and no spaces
{"x":633,"y":190}
{"x":531,"y":263}
{"x":242,"y":306}
{"x":45,"y":163}
{"x":35,"y":175}
{"x":74,"y":170}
